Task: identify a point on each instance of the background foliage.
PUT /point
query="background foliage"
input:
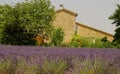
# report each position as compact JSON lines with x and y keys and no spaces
{"x":27,"y":20}
{"x":116,"y":20}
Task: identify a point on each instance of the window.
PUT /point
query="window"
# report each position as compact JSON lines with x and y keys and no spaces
{"x":76,"y":29}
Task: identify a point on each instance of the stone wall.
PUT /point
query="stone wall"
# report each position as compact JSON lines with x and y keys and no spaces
{"x":86,"y":31}
{"x":66,"y":22}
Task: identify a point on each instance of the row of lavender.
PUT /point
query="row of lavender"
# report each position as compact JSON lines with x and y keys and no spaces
{"x":36,"y":54}
{"x":64,"y":60}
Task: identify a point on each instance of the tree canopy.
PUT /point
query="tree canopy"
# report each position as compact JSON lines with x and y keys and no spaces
{"x":27,"y":20}
{"x":116,"y":20}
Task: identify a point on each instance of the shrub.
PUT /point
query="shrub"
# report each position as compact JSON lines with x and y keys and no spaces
{"x":93,"y":67}
{"x":102,"y":43}
{"x":79,"y":41}
{"x":5,"y":67}
{"x":52,"y":67}
{"x":57,"y":37}
{"x":116,"y":44}
{"x":89,"y":42}
{"x":19,"y":67}
{"x":75,"y":41}
{"x":22,"y":67}
{"x":42,"y":60}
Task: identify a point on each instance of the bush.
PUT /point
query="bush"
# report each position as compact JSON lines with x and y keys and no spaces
{"x":19,"y":67}
{"x":79,"y":41}
{"x":98,"y":43}
{"x":42,"y":60}
{"x":93,"y":67}
{"x":5,"y":67}
{"x":22,"y":67}
{"x":101,"y":43}
{"x":75,"y":41}
{"x":116,"y":44}
{"x":52,"y":67}
{"x":89,"y":42}
{"x":57,"y":37}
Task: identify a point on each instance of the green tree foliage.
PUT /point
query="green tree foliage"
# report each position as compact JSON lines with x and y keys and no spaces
{"x":16,"y":35}
{"x":3,"y":10}
{"x":116,"y":20}
{"x":37,"y":16}
{"x":57,"y":37}
{"x":26,"y":20}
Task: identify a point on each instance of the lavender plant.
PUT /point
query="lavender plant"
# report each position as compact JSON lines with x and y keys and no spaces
{"x":35,"y":58}
{"x":93,"y":67}
{"x":5,"y":67}
{"x":54,"y":67}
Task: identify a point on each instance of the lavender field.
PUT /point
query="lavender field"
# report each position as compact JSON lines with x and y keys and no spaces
{"x":65,"y":59}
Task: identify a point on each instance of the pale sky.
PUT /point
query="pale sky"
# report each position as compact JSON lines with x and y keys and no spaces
{"x":93,"y":13}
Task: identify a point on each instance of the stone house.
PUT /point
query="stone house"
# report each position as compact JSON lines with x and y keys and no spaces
{"x":66,"y":20}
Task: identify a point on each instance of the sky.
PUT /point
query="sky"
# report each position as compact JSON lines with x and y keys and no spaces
{"x":93,"y":13}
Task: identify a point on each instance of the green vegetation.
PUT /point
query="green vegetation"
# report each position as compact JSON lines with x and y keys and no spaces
{"x":3,"y":10}
{"x":24,"y":21}
{"x":116,"y":20}
{"x":52,"y":67}
{"x":92,"y":67}
{"x":57,"y":67}
{"x":88,"y":42}
{"x":57,"y":37}
{"x":79,"y":41}
{"x":30,"y":23}
{"x":9,"y":67}
{"x":5,"y":67}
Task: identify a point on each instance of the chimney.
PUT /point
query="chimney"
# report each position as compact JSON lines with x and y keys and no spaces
{"x":61,"y":6}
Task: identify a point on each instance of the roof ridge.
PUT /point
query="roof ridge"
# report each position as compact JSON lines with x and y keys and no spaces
{"x":64,"y":9}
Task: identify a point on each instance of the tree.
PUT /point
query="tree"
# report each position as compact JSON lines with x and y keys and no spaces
{"x":3,"y":10}
{"x":116,"y":20}
{"x":13,"y":32}
{"x":28,"y":19}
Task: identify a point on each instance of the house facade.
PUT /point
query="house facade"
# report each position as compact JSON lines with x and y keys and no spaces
{"x":66,"y":20}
